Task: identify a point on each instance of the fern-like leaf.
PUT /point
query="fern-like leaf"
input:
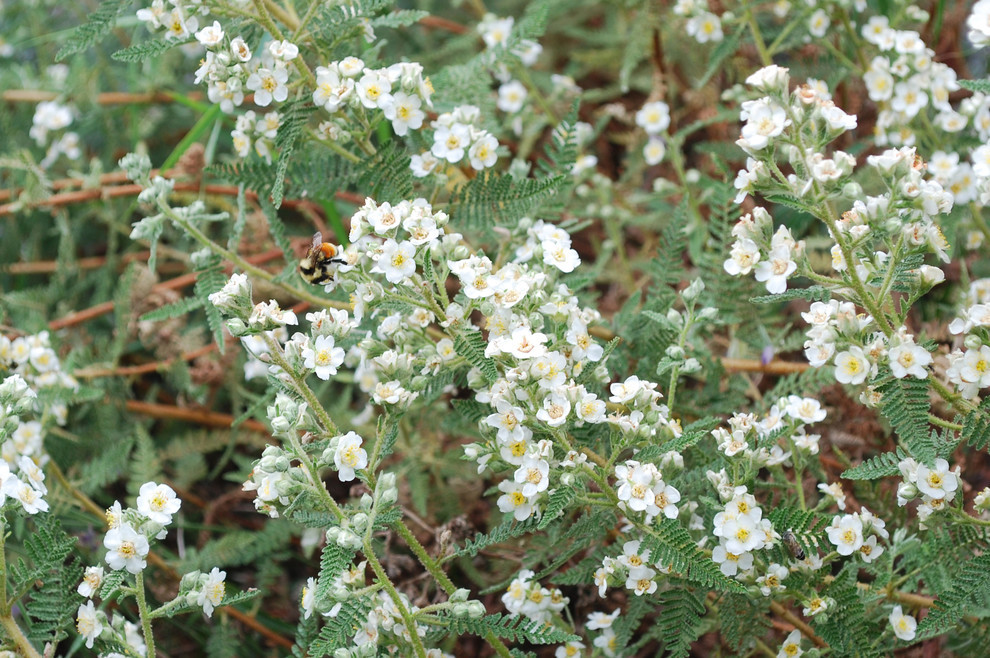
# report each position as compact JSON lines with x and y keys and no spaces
{"x":147,"y":50}
{"x":340,"y":628}
{"x":811,"y":294}
{"x":493,"y":198}
{"x":208,"y":281}
{"x":976,"y":426}
{"x":98,"y":26}
{"x":173,"y":310}
{"x":671,"y":544}
{"x":471,"y":346}
{"x":680,"y":620}
{"x":970,"y":582}
{"x":905,"y":404}
{"x":514,"y":629}
{"x":500,"y":534}
{"x":878,"y":466}
{"x":294,"y":117}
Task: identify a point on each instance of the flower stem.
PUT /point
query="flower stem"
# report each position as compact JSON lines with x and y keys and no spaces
{"x":393,"y":594}
{"x":149,"y":637}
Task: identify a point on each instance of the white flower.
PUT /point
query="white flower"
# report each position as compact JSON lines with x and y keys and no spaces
{"x":211,"y":35}
{"x":158,"y":502}
{"x":373,"y":89}
{"x":938,"y":482}
{"x":403,"y":110}
{"x":807,"y":410}
{"x":791,"y":648}
{"x":449,"y":143}
{"x":818,"y":24}
{"x":743,"y":256}
{"x":909,"y":359}
{"x":285,"y":51}
{"x":30,"y":498}
{"x":560,"y":255}
{"x":92,"y":579}
{"x":332,"y":90}
{"x":349,"y":456}
{"x":397,"y":260}
{"x":764,"y":119}
{"x":654,"y":151}
{"x":495,"y":31}
{"x":846,"y":532}
{"x":308,"y":602}
{"x":775,"y":270}
{"x":268,"y":84}
{"x":323,"y":357}
{"x":852,"y":366}
{"x":903,"y":625}
{"x":126,"y":549}
{"x":731,"y":563}
{"x":423,"y":164}
{"x":513,"y":500}
{"x":511,"y":96}
{"x":89,"y":623}
{"x":705,"y":27}
{"x":482,"y":153}
{"x":533,"y":475}
{"x":555,"y":410}
{"x":212,"y":591}
{"x":654,"y":117}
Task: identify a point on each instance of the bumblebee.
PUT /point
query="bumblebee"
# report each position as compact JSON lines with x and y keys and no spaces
{"x":320,"y":263}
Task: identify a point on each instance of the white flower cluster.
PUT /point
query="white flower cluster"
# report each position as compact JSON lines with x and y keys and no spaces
{"x":905,"y":79}
{"x":128,"y":541}
{"x":771,"y":258}
{"x":528,"y":598}
{"x":746,"y":437}
{"x":180,"y":19}
{"x":741,"y":530}
{"x":400,"y":91}
{"x":52,"y":116}
{"x":969,"y":368}
{"x":457,"y":134}
{"x":848,"y":532}
{"x":936,"y":484}
{"x":230,"y":69}
{"x":251,"y":131}
{"x":840,"y":334}
{"x":633,"y":568}
{"x":32,"y":366}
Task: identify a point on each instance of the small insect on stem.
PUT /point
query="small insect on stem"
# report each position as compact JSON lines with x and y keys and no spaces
{"x":319,"y":265}
{"x":792,"y":545}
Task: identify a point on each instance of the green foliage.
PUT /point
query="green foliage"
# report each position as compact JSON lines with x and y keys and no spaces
{"x":969,"y":586}
{"x":50,"y":576}
{"x":471,"y":346}
{"x":811,"y":294}
{"x":294,"y":116}
{"x":679,"y":623}
{"x":878,"y":466}
{"x":905,"y":404}
{"x":340,"y":628}
{"x":847,"y":628}
{"x":499,"y":199}
{"x":512,"y":628}
{"x":386,"y":175}
{"x":174,"y":310}
{"x":98,"y":26}
{"x":142,"y":51}
{"x":976,"y":426}
{"x":670,"y":544}
{"x":502,"y":533}
{"x":742,"y":619}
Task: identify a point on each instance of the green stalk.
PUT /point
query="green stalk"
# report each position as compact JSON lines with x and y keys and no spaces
{"x":393,"y":594}
{"x":149,"y":637}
